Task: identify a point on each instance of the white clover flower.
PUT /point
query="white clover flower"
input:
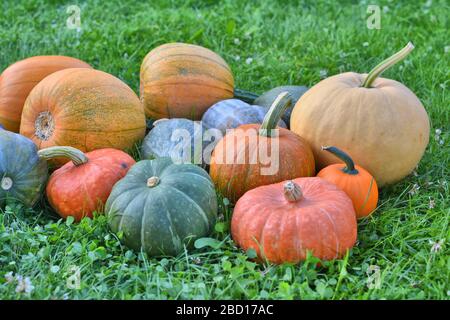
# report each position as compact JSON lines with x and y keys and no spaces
{"x":414,"y":190}
{"x":438,"y":132}
{"x":323,"y":73}
{"x":24,"y":284}
{"x":237,"y":58}
{"x":447,"y":49}
{"x":249,"y":60}
{"x":365,"y":44}
{"x":237,"y":41}
{"x":437,"y":246}
{"x":9,"y":277}
{"x":432,"y":204}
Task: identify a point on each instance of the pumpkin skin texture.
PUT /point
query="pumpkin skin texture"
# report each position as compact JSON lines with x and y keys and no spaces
{"x":282,"y":221}
{"x":78,"y":189}
{"x":180,"y":80}
{"x":161,"y":206}
{"x":179,"y":139}
{"x":355,"y":181}
{"x":83,"y":108}
{"x":22,"y":173}
{"x":233,"y":167}
{"x":232,"y":113}
{"x":267,"y":98}
{"x":17,"y":81}
{"x":384,"y":127}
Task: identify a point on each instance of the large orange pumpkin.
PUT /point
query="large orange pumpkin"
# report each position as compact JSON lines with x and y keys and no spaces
{"x":180,"y":80}
{"x":380,"y":122}
{"x":83,"y":108}
{"x":83,"y":185}
{"x":354,"y":180}
{"x":282,"y":221}
{"x":19,"y":79}
{"x":238,"y":162}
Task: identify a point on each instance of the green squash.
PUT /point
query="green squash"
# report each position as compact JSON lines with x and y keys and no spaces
{"x":160,"y":206}
{"x":267,"y":98}
{"x":22,"y":173}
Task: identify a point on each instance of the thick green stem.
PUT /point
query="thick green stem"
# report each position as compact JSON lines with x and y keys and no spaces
{"x":78,"y":157}
{"x":350,"y":165}
{"x":386,"y":64}
{"x":244,"y":95}
{"x":273,"y":116}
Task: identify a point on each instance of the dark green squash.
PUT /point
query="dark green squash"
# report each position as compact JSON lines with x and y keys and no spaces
{"x":161,"y":206}
{"x":267,"y":98}
{"x":22,"y":173}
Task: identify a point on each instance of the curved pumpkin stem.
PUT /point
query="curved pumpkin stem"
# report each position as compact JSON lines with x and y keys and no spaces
{"x":277,"y":109}
{"x":292,"y":191}
{"x":386,"y":64}
{"x":349,"y":164}
{"x":76,"y":156}
{"x":245,"y":96}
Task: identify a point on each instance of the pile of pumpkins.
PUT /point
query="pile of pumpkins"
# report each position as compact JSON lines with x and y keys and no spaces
{"x":59,"y":112}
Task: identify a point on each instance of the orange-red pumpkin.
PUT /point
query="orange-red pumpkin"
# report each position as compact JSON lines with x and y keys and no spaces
{"x":254,"y":155}
{"x":180,"y":80}
{"x":283,"y":221}
{"x":83,"y":185}
{"x":20,"y":78}
{"x":83,"y":108}
{"x":357,"y":183}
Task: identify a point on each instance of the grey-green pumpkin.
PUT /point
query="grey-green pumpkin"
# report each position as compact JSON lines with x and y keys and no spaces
{"x":179,"y":139}
{"x":267,"y":98}
{"x":22,"y":173}
{"x":232,"y":113}
{"x":161,"y":206}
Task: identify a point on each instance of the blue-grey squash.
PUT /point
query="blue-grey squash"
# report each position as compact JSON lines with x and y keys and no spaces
{"x":179,"y":139}
{"x":232,"y":113}
{"x":22,"y":173}
{"x":161,"y":206}
{"x":267,"y":98}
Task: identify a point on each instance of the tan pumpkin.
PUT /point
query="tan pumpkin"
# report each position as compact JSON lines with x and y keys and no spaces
{"x":20,"y":78}
{"x":180,"y":80}
{"x":83,"y":108}
{"x":379,"y":121}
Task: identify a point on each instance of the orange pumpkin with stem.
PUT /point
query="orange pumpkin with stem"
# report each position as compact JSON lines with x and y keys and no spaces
{"x":283,"y":221}
{"x":83,"y":185}
{"x":357,"y":182}
{"x":237,"y":163}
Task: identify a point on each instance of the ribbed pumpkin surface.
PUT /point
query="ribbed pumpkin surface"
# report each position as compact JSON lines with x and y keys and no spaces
{"x":83,"y":108}
{"x":22,"y":173}
{"x":17,"y":81}
{"x":323,"y":222}
{"x":161,"y":206}
{"x":181,"y":80}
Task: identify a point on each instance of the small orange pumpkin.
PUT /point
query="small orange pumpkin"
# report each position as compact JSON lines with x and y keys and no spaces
{"x":283,"y":221}
{"x":20,"y":78}
{"x":83,"y":185}
{"x":180,"y":80}
{"x":83,"y":108}
{"x":236,"y":163}
{"x":357,"y":182}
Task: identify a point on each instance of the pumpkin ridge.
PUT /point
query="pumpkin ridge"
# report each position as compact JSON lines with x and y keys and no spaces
{"x":165,"y":58}
{"x":192,"y":83}
{"x":124,"y":211}
{"x":203,"y":213}
{"x":335,"y":230}
{"x":175,"y":235}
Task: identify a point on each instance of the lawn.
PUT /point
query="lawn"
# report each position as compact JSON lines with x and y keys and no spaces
{"x":402,"y":249}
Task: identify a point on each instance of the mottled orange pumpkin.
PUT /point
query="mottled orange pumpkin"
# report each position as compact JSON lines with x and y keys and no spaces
{"x":83,"y":108}
{"x":283,"y":221}
{"x":180,"y":80}
{"x":238,"y":162}
{"x":83,"y":185}
{"x":20,"y":78}
{"x":354,"y":180}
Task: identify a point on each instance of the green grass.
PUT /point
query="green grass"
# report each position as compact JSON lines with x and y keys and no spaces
{"x":288,"y":43}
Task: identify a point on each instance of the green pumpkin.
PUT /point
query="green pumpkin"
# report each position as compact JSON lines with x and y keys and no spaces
{"x":267,"y":98}
{"x":22,"y":173}
{"x":160,"y":206}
